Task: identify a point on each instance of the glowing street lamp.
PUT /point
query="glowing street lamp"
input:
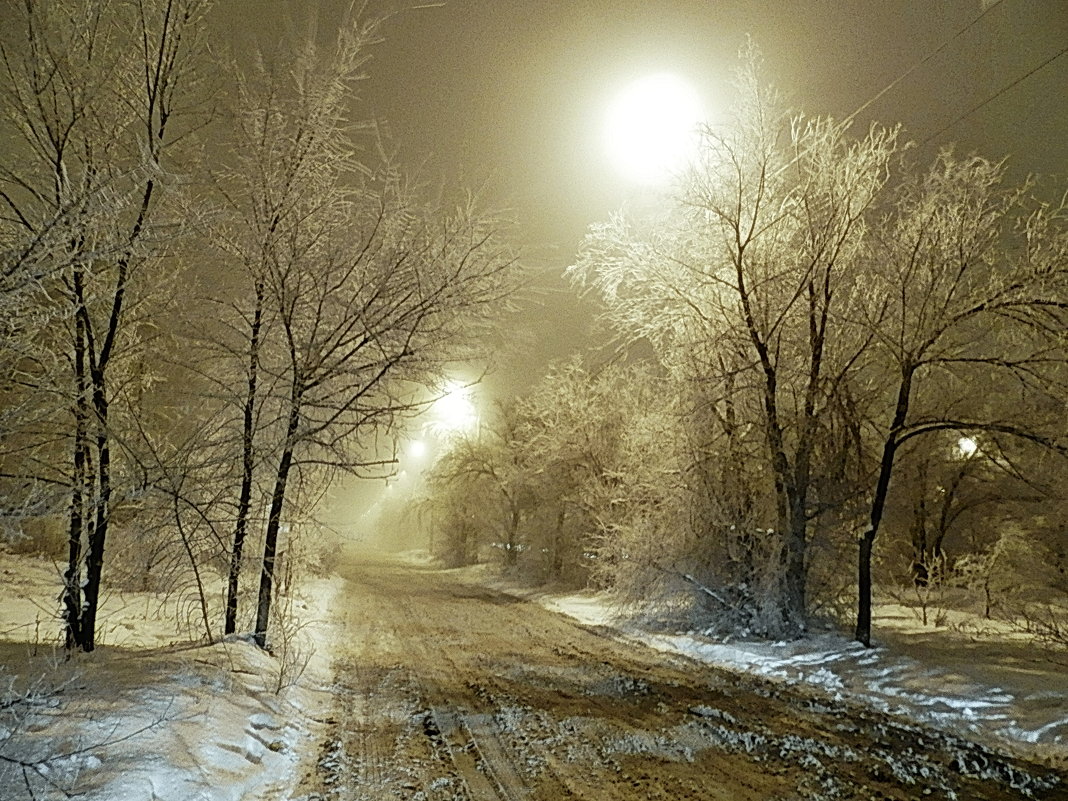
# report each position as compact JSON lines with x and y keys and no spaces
{"x":651,"y":128}
{"x":967,"y":447}
{"x":454,"y":411}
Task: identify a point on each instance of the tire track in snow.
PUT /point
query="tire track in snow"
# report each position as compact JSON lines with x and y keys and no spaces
{"x":458,"y":693}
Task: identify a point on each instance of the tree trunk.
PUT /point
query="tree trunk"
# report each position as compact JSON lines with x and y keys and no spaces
{"x":863,"y":631}
{"x":556,"y":554}
{"x":921,"y":557}
{"x":878,"y":503}
{"x":511,"y":553}
{"x":739,"y":537}
{"x":94,"y":563}
{"x":786,"y":497}
{"x":867,"y":540}
{"x":788,"y":525}
{"x":795,"y":601}
{"x":72,"y":576}
{"x":795,"y":612}
{"x":247,"y":457}
{"x":274,"y":520}
{"x":792,"y":524}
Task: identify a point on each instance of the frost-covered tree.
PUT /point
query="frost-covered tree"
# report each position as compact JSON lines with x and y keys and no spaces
{"x":95,"y":96}
{"x":490,"y":467}
{"x":570,"y":425}
{"x":966,"y":290}
{"x":354,"y":290}
{"x":742,"y":287}
{"x":289,"y":172}
{"x":458,"y":518}
{"x":569,"y":480}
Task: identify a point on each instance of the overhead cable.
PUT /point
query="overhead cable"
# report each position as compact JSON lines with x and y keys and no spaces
{"x":997,"y":94}
{"x":923,"y":61}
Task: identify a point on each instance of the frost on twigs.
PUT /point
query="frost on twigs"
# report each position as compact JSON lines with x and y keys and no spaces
{"x":290,"y":644}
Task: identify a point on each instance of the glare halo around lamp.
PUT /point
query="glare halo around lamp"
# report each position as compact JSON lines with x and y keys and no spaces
{"x":651,"y":128}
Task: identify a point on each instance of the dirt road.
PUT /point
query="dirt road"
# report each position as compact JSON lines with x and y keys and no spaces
{"x":452,"y":691}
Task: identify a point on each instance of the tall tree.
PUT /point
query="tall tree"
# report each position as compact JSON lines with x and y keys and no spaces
{"x":749,"y":271}
{"x":357,"y":289}
{"x":97,"y":93}
{"x":967,"y":289}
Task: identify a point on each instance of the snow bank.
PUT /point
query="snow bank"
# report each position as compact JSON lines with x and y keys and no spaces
{"x":216,"y":731}
{"x":934,"y":690}
{"x":169,"y":723}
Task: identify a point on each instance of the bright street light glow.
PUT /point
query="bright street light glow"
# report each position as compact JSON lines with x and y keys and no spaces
{"x":454,"y":410}
{"x":651,"y":129}
{"x":417,"y":449}
{"x":967,"y":447}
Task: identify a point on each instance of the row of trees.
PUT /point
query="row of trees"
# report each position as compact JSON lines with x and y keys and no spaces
{"x":213,"y":301}
{"x":828,"y":321}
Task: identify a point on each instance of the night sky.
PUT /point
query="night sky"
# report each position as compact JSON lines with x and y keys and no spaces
{"x":511,"y":96}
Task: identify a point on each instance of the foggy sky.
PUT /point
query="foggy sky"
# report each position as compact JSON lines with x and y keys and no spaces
{"x":509,"y":96}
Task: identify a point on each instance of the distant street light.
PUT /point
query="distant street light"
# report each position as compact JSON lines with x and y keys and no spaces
{"x":967,"y":447}
{"x":455,"y":412}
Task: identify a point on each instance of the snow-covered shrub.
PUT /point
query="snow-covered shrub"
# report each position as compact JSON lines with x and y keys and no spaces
{"x":290,"y":644}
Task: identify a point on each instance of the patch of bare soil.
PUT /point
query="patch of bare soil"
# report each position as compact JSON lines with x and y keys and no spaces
{"x":450,"y":691}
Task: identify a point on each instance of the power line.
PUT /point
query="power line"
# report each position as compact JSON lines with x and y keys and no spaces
{"x":848,"y":120}
{"x":938,"y":50}
{"x":997,"y":94}
{"x":923,"y":61}
{"x":844,"y":124}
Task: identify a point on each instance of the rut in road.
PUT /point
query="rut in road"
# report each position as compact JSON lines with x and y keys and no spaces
{"x":452,"y":691}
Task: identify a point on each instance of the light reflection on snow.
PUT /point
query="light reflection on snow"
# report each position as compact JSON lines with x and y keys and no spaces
{"x":892,"y":683}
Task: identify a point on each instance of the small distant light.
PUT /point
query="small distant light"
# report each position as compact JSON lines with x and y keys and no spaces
{"x":967,"y":447}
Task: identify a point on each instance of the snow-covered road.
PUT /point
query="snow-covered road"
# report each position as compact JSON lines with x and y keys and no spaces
{"x":430,"y":685}
{"x":454,"y":691}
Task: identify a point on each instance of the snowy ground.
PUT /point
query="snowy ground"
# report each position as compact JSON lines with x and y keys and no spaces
{"x":155,"y":721}
{"x":143,"y":719}
{"x":999,"y":691}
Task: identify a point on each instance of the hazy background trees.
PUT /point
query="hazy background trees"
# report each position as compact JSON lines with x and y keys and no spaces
{"x":841,"y":341}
